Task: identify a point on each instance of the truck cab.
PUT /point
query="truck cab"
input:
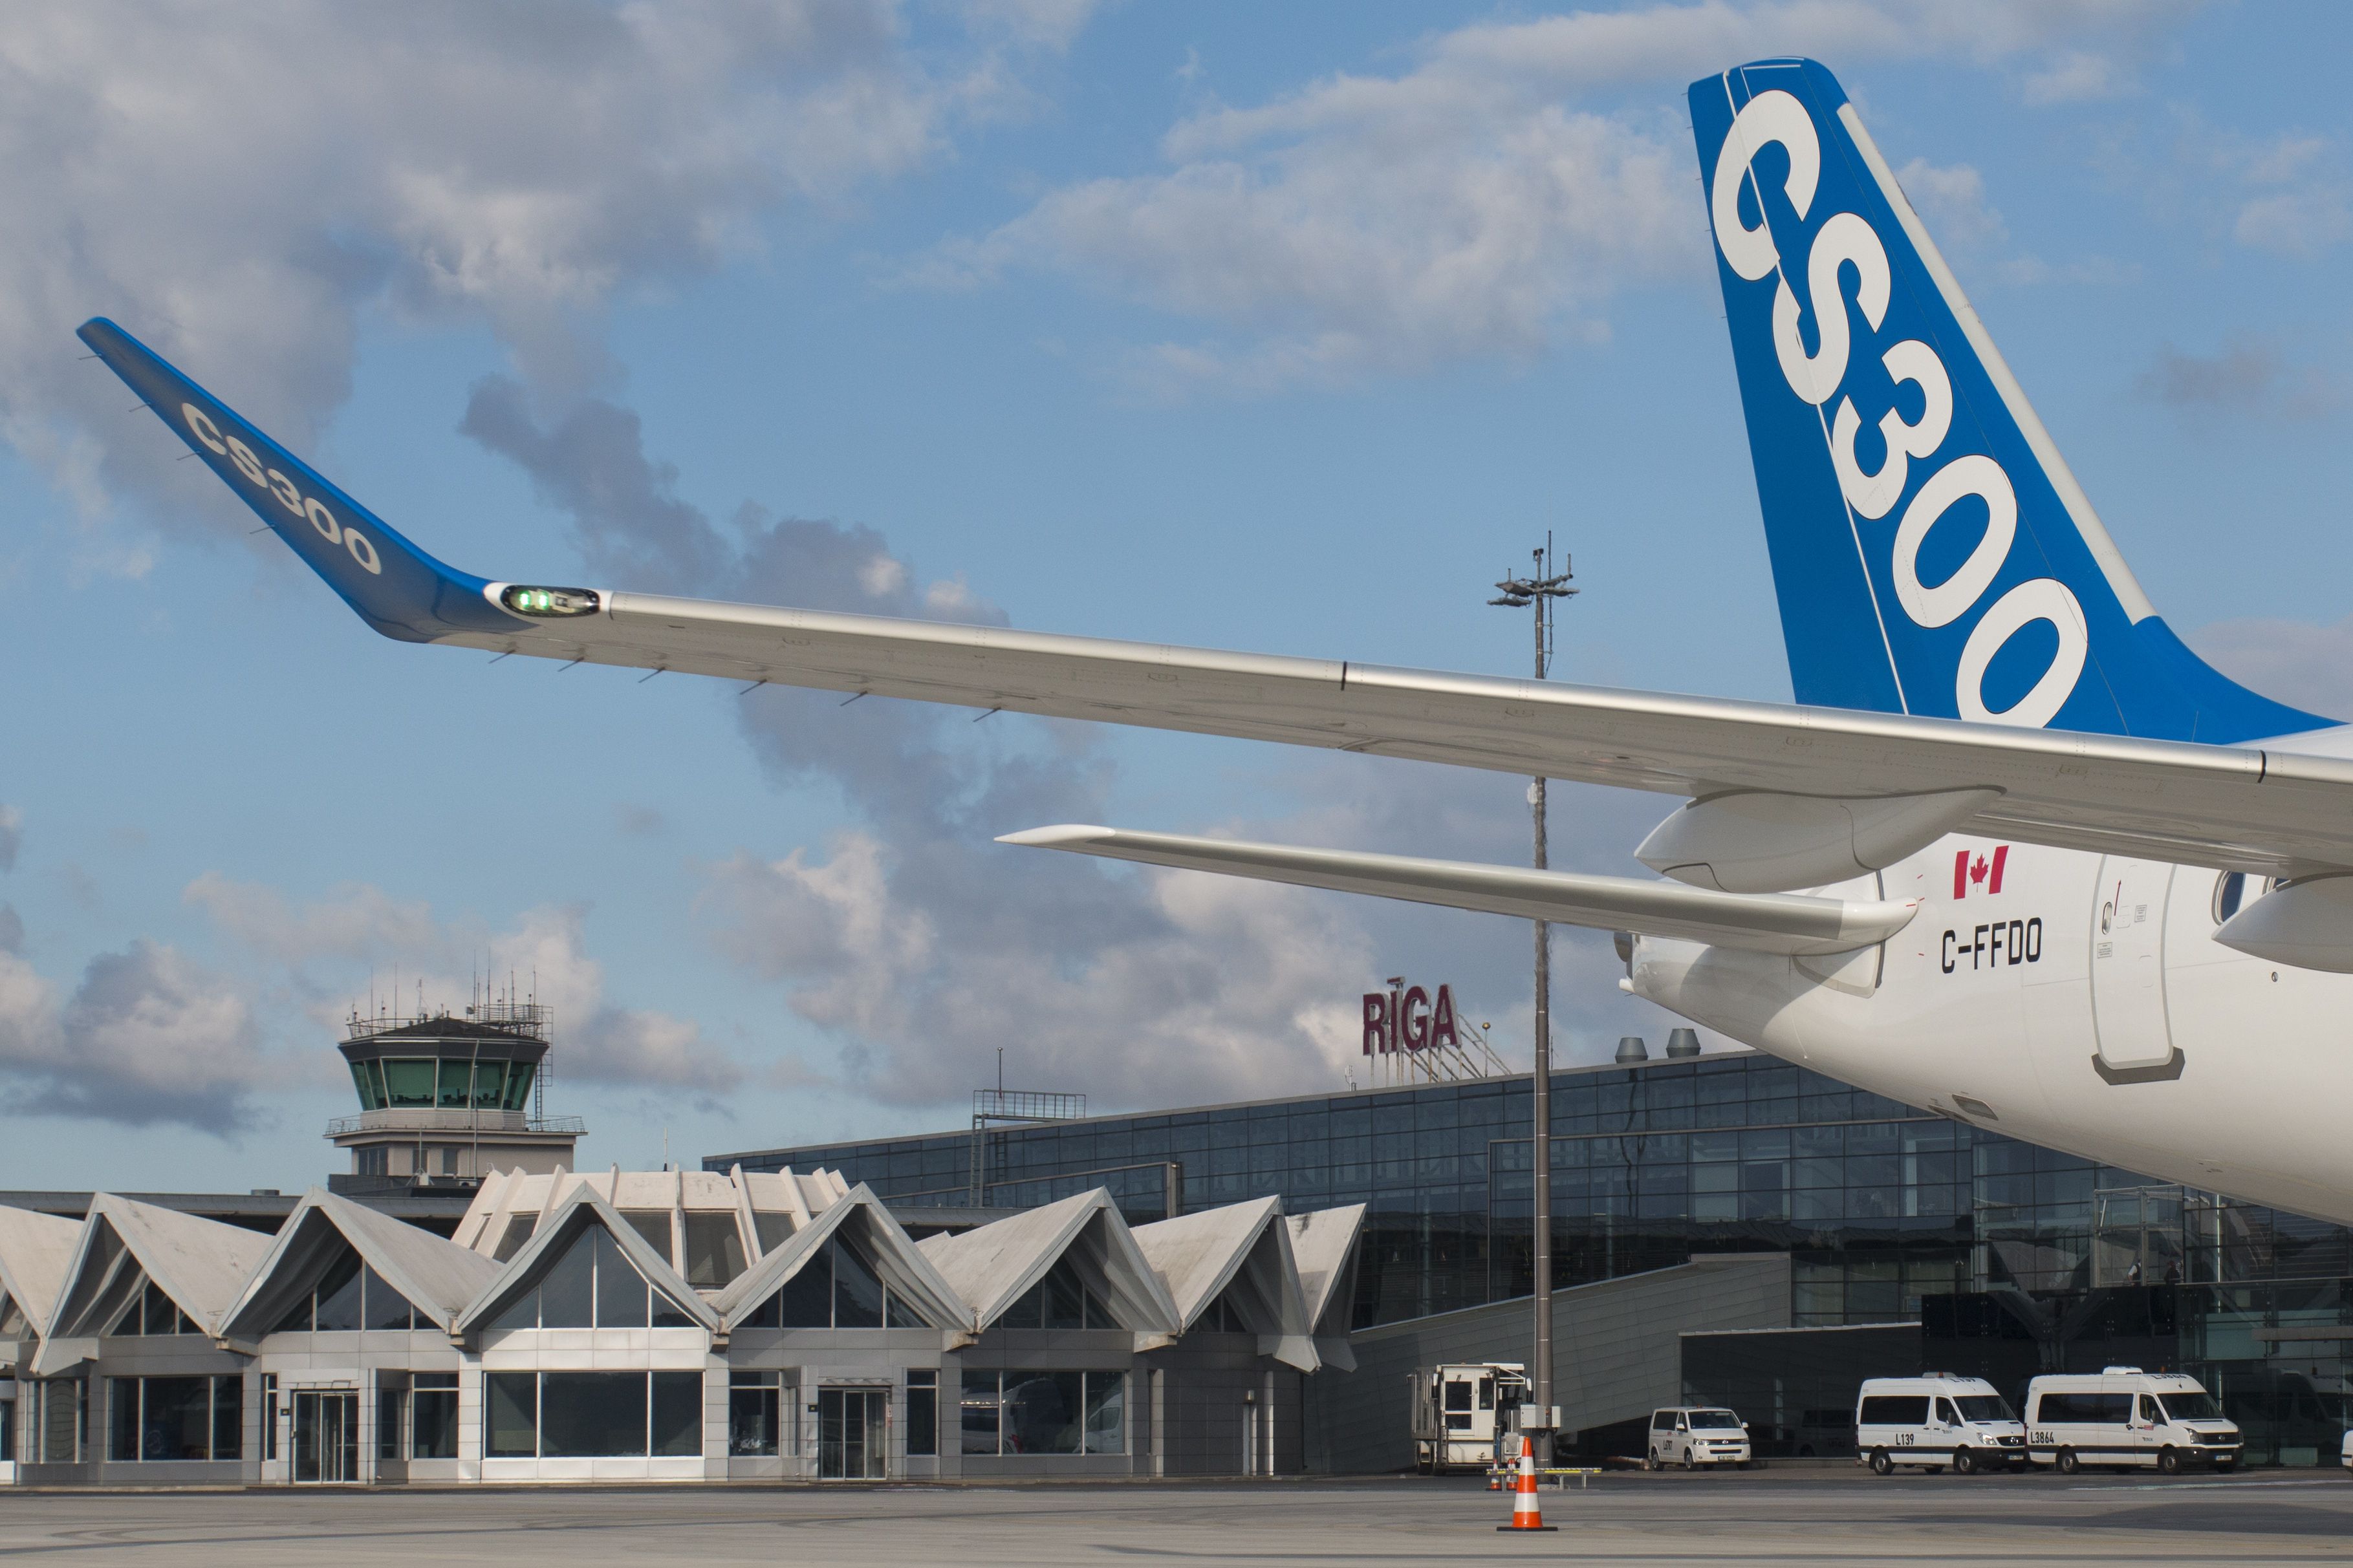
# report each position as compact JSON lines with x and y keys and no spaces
{"x":1691,"y":1436}
{"x":1466,"y":1414}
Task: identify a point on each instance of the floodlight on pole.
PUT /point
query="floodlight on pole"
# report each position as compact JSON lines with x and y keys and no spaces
{"x":1541,"y":588}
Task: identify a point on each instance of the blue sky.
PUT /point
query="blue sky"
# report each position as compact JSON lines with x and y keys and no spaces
{"x":1274,"y":328}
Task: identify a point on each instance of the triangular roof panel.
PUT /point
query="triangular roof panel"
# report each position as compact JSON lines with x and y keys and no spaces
{"x":1323,"y":1247}
{"x":993,"y":1265}
{"x":35,"y":1251}
{"x":905,"y":1269}
{"x":201,"y":1264}
{"x":583,"y":1207}
{"x":1201,"y":1256}
{"x":439,"y":1278}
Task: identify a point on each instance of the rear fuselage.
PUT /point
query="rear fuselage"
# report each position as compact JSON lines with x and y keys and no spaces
{"x":2073,"y":1000}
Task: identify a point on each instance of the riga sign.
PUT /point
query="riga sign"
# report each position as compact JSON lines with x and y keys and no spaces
{"x":1408,"y":1020}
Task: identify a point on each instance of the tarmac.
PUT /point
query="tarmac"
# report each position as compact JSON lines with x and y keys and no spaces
{"x":1767,"y":1517}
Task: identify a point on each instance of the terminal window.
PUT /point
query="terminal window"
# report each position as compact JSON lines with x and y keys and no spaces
{"x":593,"y":1415}
{"x":757,"y":1403}
{"x":152,"y":1312}
{"x":923,"y":1414}
{"x":349,"y":1296}
{"x":433,"y":1416}
{"x":592,"y":1286}
{"x":837,"y":1288}
{"x":155,"y":1418}
{"x":1023,"y":1412}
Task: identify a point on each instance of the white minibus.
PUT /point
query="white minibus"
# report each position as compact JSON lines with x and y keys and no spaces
{"x":2123,"y":1415}
{"x":1936,"y":1420}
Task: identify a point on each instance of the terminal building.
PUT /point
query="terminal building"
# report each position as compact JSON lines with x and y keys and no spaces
{"x":662,"y":1326}
{"x":1235,"y":1289}
{"x":1763,"y":1236}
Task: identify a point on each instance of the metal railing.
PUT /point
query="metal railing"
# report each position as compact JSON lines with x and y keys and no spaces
{"x":530,"y":1018}
{"x":424,"y":1121}
{"x":1027,"y":1105}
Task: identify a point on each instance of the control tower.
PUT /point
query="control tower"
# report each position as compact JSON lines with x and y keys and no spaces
{"x":444,"y":1101}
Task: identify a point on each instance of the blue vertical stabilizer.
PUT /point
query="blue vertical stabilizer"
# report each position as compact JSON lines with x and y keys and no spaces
{"x":1931,"y":551}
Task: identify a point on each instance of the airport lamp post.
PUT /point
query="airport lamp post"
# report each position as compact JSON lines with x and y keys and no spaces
{"x":1540,"y":588}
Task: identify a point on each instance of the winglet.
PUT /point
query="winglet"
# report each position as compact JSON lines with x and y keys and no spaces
{"x":396,"y":588}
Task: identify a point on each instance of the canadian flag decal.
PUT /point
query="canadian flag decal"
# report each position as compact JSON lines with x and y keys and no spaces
{"x":1973,"y":866}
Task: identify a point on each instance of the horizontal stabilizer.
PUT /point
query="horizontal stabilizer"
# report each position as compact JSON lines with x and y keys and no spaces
{"x":1793,"y":923}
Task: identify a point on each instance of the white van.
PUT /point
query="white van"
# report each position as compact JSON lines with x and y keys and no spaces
{"x":2127,"y":1416}
{"x":1934,"y":1421}
{"x":1695,"y":1435}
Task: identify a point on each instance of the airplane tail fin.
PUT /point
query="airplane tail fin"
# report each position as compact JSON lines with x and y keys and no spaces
{"x":396,"y":588}
{"x":1931,"y":551}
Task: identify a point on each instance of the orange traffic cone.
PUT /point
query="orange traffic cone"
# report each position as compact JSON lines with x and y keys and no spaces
{"x":1525,"y":1515}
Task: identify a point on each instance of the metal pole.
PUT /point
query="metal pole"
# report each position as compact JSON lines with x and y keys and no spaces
{"x":1540,"y":588}
{"x":1541,"y":1152}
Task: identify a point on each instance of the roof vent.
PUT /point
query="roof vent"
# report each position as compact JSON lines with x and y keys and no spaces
{"x":1631,"y":1048}
{"x":2113,"y":1371}
{"x":1683,"y":1043}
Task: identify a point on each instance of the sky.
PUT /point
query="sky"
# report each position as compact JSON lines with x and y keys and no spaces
{"x":1285,"y":329}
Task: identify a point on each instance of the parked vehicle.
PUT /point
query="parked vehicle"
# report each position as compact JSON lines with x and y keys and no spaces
{"x":1695,"y":1435}
{"x":1825,"y":1432}
{"x":1466,"y":1415}
{"x":1934,"y":1421}
{"x":2123,"y":1415}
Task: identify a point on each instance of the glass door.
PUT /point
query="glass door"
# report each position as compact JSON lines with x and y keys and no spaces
{"x":853,"y":1434}
{"x":326,"y":1436}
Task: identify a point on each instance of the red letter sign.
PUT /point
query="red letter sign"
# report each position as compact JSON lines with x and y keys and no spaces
{"x":1413,"y":1018}
{"x":1442,"y":1021}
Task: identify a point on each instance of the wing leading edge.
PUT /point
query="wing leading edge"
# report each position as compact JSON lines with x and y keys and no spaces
{"x":2262,"y":811}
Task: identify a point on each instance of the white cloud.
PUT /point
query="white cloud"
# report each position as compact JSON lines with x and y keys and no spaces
{"x":1952,"y":201}
{"x":1400,"y":243}
{"x":1460,"y":208}
{"x":147,"y":1038}
{"x":2079,"y":76}
{"x":2300,"y":224}
{"x":319,"y":950}
{"x":1228,"y":989}
{"x":235,"y":182}
{"x":2288,"y":194}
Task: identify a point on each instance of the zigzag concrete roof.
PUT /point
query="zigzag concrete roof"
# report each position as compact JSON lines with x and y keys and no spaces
{"x":993,"y":1265}
{"x":439,"y":1278}
{"x":36,"y":1252}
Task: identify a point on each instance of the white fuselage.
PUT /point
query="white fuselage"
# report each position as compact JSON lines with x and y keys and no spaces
{"x":2083,"y":1005}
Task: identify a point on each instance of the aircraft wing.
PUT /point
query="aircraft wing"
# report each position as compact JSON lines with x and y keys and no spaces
{"x":2250,"y":808}
{"x":1800,"y":924}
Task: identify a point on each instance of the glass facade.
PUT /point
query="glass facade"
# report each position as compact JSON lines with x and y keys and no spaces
{"x":1880,"y":1205}
{"x":2013,"y":1258}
